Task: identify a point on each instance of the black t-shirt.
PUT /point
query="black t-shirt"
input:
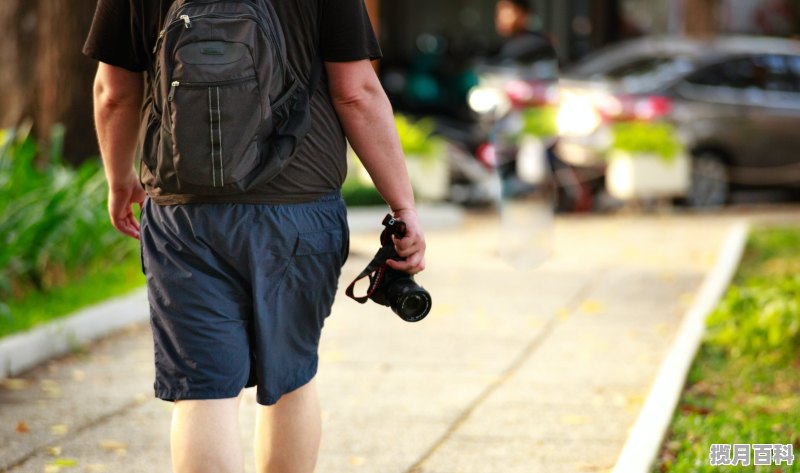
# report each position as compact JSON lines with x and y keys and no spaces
{"x":124,"y":32}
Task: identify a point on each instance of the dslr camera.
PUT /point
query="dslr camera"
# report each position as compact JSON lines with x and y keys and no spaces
{"x":390,"y":287}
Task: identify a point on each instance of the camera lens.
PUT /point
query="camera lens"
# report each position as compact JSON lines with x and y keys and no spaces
{"x":413,"y":307}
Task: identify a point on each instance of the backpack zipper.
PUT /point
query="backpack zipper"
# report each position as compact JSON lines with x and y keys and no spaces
{"x":187,"y":22}
{"x":176,"y":83}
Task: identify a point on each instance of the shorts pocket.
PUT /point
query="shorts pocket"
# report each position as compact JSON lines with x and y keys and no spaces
{"x":314,"y":243}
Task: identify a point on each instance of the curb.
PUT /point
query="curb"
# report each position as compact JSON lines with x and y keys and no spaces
{"x":647,"y":434}
{"x":25,"y":350}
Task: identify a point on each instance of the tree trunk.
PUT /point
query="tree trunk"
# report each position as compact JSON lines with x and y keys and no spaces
{"x":701,"y":17}
{"x":17,"y":55}
{"x":64,"y":75}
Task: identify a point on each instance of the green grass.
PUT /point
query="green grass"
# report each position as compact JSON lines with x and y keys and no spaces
{"x":744,"y":386}
{"x":96,"y":284}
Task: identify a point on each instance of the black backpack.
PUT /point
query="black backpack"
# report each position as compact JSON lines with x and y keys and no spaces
{"x":227,"y":113}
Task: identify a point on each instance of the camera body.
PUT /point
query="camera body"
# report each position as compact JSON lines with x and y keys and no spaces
{"x":392,"y":288}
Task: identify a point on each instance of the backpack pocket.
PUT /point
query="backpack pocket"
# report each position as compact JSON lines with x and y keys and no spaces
{"x":215,"y":129}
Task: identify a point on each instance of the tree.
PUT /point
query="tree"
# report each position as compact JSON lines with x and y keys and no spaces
{"x":45,"y":77}
{"x":701,"y":17}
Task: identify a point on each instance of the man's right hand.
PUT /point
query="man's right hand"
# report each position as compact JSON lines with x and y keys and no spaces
{"x":121,"y":197}
{"x":412,"y":246}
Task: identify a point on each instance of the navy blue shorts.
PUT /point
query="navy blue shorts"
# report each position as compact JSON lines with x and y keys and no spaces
{"x":239,"y":294}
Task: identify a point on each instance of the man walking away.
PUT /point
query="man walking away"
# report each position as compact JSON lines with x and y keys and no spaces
{"x":240,"y":285}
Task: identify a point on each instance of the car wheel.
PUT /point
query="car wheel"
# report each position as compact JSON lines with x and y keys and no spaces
{"x":709,"y":184}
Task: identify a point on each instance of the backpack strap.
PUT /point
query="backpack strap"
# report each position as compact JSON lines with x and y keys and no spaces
{"x":315,"y":76}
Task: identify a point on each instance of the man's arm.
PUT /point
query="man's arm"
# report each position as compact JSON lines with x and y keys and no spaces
{"x":368,"y":121}
{"x":118,"y":95}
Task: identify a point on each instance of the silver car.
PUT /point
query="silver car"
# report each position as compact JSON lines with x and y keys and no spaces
{"x":734,"y":100}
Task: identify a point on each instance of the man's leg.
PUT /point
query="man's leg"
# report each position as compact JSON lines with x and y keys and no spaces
{"x":288,"y":433}
{"x":205,"y":436}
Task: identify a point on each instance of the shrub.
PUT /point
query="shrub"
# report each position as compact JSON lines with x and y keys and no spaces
{"x":53,"y":218}
{"x":646,"y":138}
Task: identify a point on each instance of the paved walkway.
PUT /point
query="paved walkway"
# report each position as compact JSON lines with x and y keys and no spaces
{"x":514,"y":371}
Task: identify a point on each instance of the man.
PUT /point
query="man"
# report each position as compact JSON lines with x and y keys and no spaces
{"x":239,"y":287}
{"x":521,"y":45}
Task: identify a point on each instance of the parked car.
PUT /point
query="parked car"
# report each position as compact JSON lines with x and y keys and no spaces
{"x":735,"y":102}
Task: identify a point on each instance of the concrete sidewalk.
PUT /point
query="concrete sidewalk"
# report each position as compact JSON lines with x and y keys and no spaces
{"x":513,"y":371}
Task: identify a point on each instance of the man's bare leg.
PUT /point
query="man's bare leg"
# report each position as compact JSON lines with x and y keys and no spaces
{"x":288,"y":433}
{"x":205,"y":436}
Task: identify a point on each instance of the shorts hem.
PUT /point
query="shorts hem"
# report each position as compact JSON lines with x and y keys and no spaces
{"x":172,"y":396}
{"x":270,"y":400}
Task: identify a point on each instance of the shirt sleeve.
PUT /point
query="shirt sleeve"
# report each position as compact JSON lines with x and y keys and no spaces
{"x":346,"y":32}
{"x":111,"y":38}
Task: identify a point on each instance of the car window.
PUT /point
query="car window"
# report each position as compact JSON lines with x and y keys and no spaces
{"x":794,"y":69}
{"x":739,"y":73}
{"x":645,"y":74}
{"x":777,"y":76}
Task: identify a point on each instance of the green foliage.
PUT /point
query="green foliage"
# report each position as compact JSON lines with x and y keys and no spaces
{"x":99,"y":282}
{"x":646,"y":138}
{"x":417,"y":138}
{"x":759,"y":317}
{"x":540,"y":121}
{"x":743,"y":385}
{"x":357,"y":194}
{"x":53,"y":218}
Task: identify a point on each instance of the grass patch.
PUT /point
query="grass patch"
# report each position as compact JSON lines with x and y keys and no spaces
{"x":95,"y":284}
{"x":744,"y":384}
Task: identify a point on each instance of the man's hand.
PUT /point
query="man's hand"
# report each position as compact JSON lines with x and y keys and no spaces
{"x":121,"y":197}
{"x":412,"y":246}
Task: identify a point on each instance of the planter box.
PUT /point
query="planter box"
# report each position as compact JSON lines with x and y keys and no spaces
{"x":647,"y":176}
{"x":430,"y":178}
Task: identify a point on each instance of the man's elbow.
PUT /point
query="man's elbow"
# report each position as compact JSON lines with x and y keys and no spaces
{"x":115,"y":87}
{"x":108,"y":96}
{"x":358,"y":96}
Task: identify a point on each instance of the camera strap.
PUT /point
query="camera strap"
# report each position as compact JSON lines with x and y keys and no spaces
{"x":375,"y":270}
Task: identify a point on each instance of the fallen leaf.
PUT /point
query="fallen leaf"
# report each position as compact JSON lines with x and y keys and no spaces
{"x":59,"y":463}
{"x":54,"y":451}
{"x":115,"y":446}
{"x":59,"y":429}
{"x":356,"y":460}
{"x":51,"y":387}
{"x":22,"y":427}
{"x":112,"y":444}
{"x":591,"y":307}
{"x":572,"y":419}
{"x":79,"y":375}
{"x":16,"y":384}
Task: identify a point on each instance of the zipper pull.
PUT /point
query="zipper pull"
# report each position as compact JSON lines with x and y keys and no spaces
{"x":160,"y":37}
{"x":187,"y":22}
{"x":175,"y":85}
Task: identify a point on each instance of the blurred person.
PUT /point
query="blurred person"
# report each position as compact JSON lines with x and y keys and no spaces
{"x":520,"y":43}
{"x":234,"y":302}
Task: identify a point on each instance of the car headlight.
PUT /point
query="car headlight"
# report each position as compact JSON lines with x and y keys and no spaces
{"x":486,"y":100}
{"x":577,"y":116}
